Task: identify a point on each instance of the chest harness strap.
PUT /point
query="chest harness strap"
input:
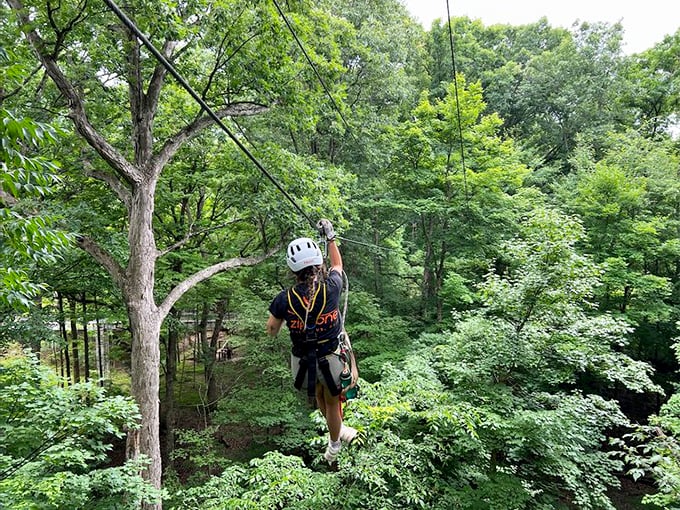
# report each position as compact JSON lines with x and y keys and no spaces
{"x":311,"y":350}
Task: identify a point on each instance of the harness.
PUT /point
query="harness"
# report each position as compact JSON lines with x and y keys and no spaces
{"x":310,"y":349}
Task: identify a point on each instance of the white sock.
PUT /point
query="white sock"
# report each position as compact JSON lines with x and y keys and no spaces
{"x":335,"y":445}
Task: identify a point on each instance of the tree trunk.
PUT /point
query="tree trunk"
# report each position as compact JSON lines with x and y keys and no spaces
{"x":211,"y":355}
{"x":61,"y":363}
{"x":145,"y":325}
{"x":169,"y":416}
{"x":64,"y":338}
{"x":144,"y":388}
{"x":86,"y":340}
{"x":100,"y":348}
{"x":74,"y":339}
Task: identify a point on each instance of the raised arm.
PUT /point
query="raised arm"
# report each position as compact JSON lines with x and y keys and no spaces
{"x":334,"y":254}
{"x":326,"y":229}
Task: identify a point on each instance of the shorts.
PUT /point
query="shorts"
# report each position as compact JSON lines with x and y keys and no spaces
{"x":335,"y":362}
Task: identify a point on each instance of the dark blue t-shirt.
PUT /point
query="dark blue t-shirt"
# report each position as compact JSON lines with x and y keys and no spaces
{"x":290,"y":306}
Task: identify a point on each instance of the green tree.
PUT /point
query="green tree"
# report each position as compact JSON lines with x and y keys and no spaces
{"x":133,"y":124}
{"x":458,"y":195}
{"x":628,"y":204}
{"x":571,"y":90}
{"x":549,"y":85}
{"x":523,"y":358}
{"x":653,"y":82}
{"x":27,"y":235}
{"x":54,"y":441}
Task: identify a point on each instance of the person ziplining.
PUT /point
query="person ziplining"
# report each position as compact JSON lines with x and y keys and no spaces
{"x":311,"y":312}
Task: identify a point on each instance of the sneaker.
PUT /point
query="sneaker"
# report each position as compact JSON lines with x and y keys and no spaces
{"x":347,"y":434}
{"x":331,"y":453}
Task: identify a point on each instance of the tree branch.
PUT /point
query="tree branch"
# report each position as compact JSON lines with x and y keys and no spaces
{"x":156,"y":84}
{"x":177,"y":292}
{"x":104,"y":258}
{"x":77,"y":113}
{"x":190,"y":234}
{"x":112,"y":181}
{"x":188,"y":132}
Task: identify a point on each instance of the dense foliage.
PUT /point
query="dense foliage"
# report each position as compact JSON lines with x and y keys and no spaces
{"x":27,"y":234}
{"x":510,"y":237}
{"x":55,"y":442}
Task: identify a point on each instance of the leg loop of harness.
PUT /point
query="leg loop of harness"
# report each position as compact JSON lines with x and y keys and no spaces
{"x":302,"y":371}
{"x":332,"y":385}
{"x":307,"y":366}
{"x":311,"y":373}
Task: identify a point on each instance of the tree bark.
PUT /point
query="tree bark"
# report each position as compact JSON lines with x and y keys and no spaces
{"x":86,"y":340}
{"x":66,"y":362}
{"x":169,"y":415}
{"x":73,"y":319}
{"x":99,"y":346}
{"x":210,"y":356}
{"x":145,"y":325}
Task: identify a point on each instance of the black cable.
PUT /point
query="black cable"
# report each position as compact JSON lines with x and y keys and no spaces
{"x":365,"y":244}
{"x":159,"y":56}
{"x":333,"y":102}
{"x":316,"y":72}
{"x":455,"y":90}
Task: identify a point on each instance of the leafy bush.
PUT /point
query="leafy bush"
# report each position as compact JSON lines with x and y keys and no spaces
{"x":273,"y":482}
{"x":53,"y":440}
{"x":377,"y":338}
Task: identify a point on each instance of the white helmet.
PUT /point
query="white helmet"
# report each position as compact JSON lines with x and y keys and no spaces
{"x":302,"y":253}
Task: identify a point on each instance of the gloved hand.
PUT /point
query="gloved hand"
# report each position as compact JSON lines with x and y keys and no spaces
{"x":326,"y":229}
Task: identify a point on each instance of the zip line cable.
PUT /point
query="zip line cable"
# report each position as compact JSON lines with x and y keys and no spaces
{"x":333,"y":102}
{"x":170,"y":68}
{"x":455,"y":91}
{"x":316,"y":72}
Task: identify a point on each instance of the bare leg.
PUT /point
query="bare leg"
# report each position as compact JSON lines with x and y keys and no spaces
{"x":330,"y":409}
{"x":320,"y":401}
{"x":333,"y":414}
